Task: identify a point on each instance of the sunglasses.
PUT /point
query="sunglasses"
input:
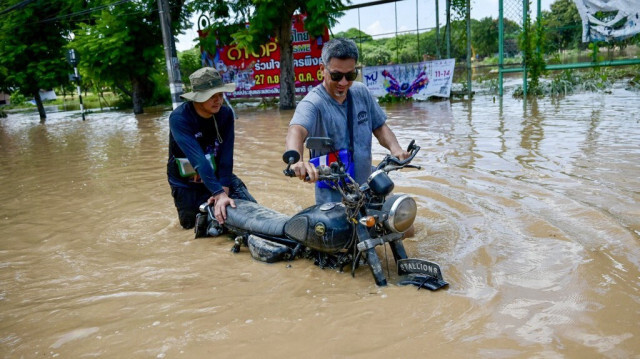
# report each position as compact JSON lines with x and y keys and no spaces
{"x":350,"y":76}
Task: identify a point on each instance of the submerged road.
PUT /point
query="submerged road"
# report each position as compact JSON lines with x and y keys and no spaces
{"x":533,"y":213}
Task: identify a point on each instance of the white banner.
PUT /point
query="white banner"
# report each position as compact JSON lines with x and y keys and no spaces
{"x":623,"y":22}
{"x":419,"y":80}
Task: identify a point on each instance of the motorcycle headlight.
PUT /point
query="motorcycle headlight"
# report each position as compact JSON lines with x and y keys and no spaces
{"x":402,"y":211}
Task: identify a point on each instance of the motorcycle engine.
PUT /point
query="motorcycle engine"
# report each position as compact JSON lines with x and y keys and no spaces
{"x":402,"y":210}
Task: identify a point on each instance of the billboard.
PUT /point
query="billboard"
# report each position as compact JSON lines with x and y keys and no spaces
{"x":257,"y":74}
{"x":419,"y":80}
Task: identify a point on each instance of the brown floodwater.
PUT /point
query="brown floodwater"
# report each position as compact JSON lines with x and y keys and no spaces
{"x":532,"y":212}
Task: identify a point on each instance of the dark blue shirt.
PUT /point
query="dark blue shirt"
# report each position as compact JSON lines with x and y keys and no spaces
{"x":193,"y":137}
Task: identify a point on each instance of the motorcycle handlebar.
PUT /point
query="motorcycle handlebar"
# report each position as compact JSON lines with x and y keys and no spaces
{"x":390,"y":163}
{"x":324,"y":173}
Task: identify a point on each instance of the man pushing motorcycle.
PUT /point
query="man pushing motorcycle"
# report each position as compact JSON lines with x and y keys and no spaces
{"x":344,"y":111}
{"x":200,"y":164}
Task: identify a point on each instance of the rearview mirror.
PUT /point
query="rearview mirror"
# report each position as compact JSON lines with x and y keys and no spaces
{"x":290,"y":157}
{"x":319,"y":143}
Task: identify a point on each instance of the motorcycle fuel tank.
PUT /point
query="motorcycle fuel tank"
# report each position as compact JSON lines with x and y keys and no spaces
{"x":321,"y":227}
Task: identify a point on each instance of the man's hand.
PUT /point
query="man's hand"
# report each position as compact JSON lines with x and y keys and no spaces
{"x":294,"y":141}
{"x":389,"y":141}
{"x":401,"y":154}
{"x":304,"y":169}
{"x":221,"y":201}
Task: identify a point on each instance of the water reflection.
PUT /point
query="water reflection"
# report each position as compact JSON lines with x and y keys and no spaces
{"x":532,"y":211}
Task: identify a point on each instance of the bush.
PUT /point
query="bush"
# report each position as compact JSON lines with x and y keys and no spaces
{"x":388,"y":98}
{"x":17,"y":98}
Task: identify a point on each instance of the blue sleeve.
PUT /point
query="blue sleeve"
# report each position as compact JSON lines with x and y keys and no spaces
{"x":305,"y":115}
{"x":225,"y":158}
{"x":183,"y":131}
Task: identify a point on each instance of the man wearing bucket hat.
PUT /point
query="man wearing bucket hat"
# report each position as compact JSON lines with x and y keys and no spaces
{"x":201,"y":138}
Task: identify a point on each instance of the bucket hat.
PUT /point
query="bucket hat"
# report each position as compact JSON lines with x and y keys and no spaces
{"x":206,"y":82}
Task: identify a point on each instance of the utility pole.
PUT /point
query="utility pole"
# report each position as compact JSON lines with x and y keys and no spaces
{"x":170,"y":53}
{"x":469,"y":69}
{"x":74,"y":59}
{"x":448,"y":29}
{"x":437,"y":31}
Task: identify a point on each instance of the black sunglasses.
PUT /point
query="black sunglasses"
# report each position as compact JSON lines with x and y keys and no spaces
{"x":337,"y":76}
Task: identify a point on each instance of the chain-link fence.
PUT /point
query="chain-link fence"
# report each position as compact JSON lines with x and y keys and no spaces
{"x":559,"y":42}
{"x":495,"y":40}
{"x":512,"y":25}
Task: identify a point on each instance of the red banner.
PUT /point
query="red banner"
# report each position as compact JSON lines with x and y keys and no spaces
{"x":257,"y":74}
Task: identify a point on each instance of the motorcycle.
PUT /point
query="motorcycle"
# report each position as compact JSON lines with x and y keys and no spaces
{"x":335,"y":234}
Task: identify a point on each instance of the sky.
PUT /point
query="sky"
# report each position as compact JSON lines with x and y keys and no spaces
{"x":381,"y":19}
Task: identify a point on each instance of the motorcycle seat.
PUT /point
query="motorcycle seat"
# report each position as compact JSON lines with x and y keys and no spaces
{"x":256,"y":218}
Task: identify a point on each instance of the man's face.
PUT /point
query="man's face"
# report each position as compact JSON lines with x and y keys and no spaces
{"x":211,"y":106}
{"x":338,"y":89}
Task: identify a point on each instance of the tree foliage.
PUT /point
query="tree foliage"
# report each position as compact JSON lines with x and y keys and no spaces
{"x":563,"y":26}
{"x":269,"y":19}
{"x":32,"y":54}
{"x":119,"y":45}
{"x":122,"y":46}
{"x":531,"y":41}
{"x":189,"y":63}
{"x":485,"y":32}
{"x":355,"y":35}
{"x":411,"y":47}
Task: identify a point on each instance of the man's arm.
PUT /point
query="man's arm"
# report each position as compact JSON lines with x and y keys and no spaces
{"x":226,"y":125}
{"x":225,"y":166}
{"x":295,"y":141}
{"x":388,"y":140}
{"x":182,"y":133}
{"x":221,"y":201}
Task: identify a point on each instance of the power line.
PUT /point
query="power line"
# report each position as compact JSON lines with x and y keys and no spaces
{"x":89,"y":11}
{"x":83,"y":12}
{"x":372,"y":3}
{"x":16,"y":6}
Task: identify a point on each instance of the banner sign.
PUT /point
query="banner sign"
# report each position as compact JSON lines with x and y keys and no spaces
{"x":622,"y":22}
{"x":257,"y":74}
{"x":419,"y":80}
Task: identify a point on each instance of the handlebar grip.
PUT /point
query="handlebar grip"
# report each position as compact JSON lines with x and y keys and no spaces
{"x":290,"y":173}
{"x":411,"y":144}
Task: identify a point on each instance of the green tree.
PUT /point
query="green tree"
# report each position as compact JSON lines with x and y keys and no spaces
{"x":354,"y":34}
{"x":270,"y":18}
{"x":189,"y":63}
{"x":32,"y":41}
{"x":428,"y":43}
{"x":373,"y":55}
{"x":532,"y":43}
{"x":484,"y":36}
{"x":122,"y":45}
{"x":563,"y":26}
{"x":459,"y":39}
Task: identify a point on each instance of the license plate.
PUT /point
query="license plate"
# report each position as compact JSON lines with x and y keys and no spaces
{"x":419,"y":266}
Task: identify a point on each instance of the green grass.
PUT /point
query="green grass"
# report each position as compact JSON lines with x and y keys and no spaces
{"x":71,"y":102}
{"x":566,"y":82}
{"x":90,"y":101}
